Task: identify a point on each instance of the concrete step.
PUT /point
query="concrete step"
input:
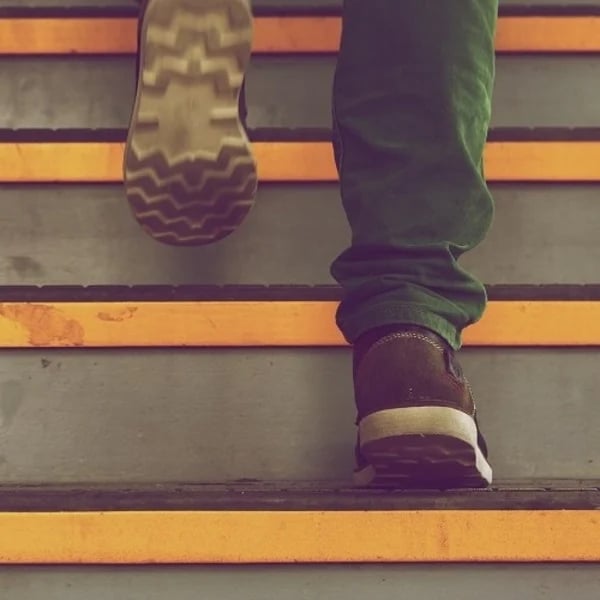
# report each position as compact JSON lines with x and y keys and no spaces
{"x":182,"y":415}
{"x":335,"y":582}
{"x":85,"y":234}
{"x":253,"y":495}
{"x":288,"y":92}
{"x":287,"y":6}
{"x":219,"y":415}
{"x":279,"y":523}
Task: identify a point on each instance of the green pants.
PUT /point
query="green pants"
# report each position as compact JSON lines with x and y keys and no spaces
{"x":412,"y":103}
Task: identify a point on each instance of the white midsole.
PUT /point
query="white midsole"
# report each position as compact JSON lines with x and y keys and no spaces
{"x":418,"y":420}
{"x":425,"y":421}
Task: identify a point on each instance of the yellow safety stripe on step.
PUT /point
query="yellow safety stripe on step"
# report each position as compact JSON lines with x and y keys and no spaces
{"x":38,"y":162}
{"x":292,"y":537}
{"x":280,"y":35}
{"x":267,"y":323}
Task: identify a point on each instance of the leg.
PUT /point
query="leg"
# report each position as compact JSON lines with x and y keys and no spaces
{"x":412,"y":107}
{"x":411,"y":112}
{"x":190,"y":177}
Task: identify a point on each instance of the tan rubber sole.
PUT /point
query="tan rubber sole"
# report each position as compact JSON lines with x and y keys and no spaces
{"x":421,"y":447}
{"x":190,"y":176}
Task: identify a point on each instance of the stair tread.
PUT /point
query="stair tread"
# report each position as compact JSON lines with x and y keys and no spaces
{"x":349,"y":529}
{"x":288,"y":33}
{"x":290,"y":134}
{"x":298,"y":162}
{"x":267,"y":7}
{"x":291,"y":496}
{"x":317,"y":293}
{"x":279,"y":323}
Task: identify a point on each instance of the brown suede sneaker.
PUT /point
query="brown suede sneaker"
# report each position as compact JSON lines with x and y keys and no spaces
{"x":416,"y":415}
{"x":190,"y":176}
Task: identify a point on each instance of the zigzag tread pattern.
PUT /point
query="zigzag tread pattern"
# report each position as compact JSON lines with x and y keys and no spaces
{"x":193,"y":204}
{"x":189,"y":38}
{"x":197,"y":188}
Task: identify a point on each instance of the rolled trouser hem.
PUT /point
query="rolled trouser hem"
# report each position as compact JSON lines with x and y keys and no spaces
{"x":385,"y":314}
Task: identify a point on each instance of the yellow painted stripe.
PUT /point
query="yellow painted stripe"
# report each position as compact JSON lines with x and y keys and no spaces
{"x":279,"y":35}
{"x":291,"y":537}
{"x":548,"y":34}
{"x":293,"y":161}
{"x":280,"y":323}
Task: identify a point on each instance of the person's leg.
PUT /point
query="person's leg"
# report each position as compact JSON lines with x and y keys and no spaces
{"x":412,"y":103}
{"x":411,"y":111}
{"x":190,"y":177}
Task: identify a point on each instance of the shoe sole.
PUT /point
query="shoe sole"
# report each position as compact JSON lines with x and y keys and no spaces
{"x":421,"y":447}
{"x":190,"y":176}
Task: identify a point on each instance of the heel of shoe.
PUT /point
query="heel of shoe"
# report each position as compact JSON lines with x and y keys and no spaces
{"x":423,"y":446}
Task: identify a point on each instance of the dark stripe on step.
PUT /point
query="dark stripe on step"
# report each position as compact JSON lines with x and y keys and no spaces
{"x":526,"y":495}
{"x":268,"y":8}
{"x":158,"y":293}
{"x":301,"y":134}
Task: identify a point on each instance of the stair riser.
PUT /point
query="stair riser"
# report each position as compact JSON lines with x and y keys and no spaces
{"x":453,"y":582}
{"x":86,"y":235}
{"x":185,"y":415}
{"x":531,"y":91}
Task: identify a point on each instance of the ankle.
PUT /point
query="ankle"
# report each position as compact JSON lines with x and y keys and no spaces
{"x":372,"y":336}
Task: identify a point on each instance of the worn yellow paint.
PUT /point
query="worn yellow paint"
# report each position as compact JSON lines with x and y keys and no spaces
{"x":549,"y":34}
{"x":298,"y":35}
{"x":292,"y":161}
{"x":40,"y":325}
{"x":292,"y":537}
{"x":272,"y":323}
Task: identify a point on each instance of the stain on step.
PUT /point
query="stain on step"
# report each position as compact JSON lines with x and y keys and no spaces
{"x":25,"y":266}
{"x":45,"y":325}
{"x":122,"y":314}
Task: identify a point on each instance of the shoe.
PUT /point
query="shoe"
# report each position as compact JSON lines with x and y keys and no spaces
{"x":417,"y":423}
{"x":190,"y":176}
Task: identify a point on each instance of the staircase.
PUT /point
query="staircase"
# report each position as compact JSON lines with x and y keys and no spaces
{"x":180,"y":421}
